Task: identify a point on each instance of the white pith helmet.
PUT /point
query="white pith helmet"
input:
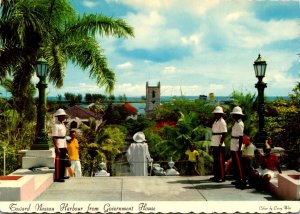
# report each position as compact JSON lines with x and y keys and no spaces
{"x":237,"y":110}
{"x":139,"y":137}
{"x":218,"y":110}
{"x":60,"y":112}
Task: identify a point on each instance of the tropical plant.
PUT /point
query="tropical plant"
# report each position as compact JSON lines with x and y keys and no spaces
{"x":246,"y":102}
{"x":13,"y":136}
{"x":30,"y":29}
{"x":283,"y":126}
{"x":25,"y":104}
{"x":169,"y":142}
{"x":97,"y":143}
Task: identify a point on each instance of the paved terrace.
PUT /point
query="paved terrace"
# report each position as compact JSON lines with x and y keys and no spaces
{"x":155,"y":188}
{"x":141,"y":194}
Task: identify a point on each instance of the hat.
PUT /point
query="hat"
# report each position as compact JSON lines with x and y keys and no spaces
{"x":218,"y":110}
{"x":139,"y":137}
{"x":237,"y":110}
{"x":246,"y":139}
{"x":60,"y":112}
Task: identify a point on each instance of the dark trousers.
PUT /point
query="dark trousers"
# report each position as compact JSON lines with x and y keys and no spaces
{"x":219,"y":162}
{"x":237,"y":166}
{"x":247,"y":167}
{"x":60,"y":163}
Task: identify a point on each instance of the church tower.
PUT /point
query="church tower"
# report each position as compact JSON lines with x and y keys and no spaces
{"x":152,"y":98}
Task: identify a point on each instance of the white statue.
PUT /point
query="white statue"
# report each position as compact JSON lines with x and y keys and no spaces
{"x":138,"y":155}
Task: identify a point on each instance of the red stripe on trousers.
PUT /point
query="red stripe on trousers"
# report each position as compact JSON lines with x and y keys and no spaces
{"x":239,"y":164}
{"x":57,"y":166}
{"x":221,"y":165}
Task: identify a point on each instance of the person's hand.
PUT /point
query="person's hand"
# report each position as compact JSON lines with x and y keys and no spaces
{"x":57,"y":151}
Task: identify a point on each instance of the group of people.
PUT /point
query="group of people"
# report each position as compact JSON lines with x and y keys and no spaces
{"x":248,"y":164}
{"x":66,"y":150}
{"x":247,"y":168}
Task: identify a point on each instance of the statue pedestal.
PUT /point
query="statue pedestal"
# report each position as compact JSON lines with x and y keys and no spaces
{"x":38,"y":158}
{"x":102,"y":173}
{"x":171,"y":171}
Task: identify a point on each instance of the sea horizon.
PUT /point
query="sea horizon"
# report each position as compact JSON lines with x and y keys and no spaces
{"x":169,"y":98}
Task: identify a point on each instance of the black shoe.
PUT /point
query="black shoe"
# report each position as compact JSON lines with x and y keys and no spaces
{"x":234,"y":182}
{"x":241,"y":185}
{"x":214,"y":179}
{"x":59,"y":180}
{"x":66,"y":177}
{"x":220,"y":180}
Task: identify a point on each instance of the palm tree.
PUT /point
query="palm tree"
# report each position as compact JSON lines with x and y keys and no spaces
{"x":102,"y":142}
{"x":18,"y":102}
{"x":30,"y":29}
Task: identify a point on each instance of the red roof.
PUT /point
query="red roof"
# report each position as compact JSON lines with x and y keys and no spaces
{"x":162,"y":123}
{"x":130,"y":109}
{"x":81,"y":113}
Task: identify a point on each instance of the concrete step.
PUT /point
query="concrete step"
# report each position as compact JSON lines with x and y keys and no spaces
{"x":29,"y":185}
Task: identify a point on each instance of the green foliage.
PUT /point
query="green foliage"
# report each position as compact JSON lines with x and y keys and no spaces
{"x":14,"y":136}
{"x":73,"y":99}
{"x":246,"y":102}
{"x":97,"y":143}
{"x":167,"y":142}
{"x":283,"y":125}
{"x":54,"y":30}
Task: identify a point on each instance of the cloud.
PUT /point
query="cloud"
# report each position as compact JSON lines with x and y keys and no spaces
{"x":201,"y":46}
{"x":89,"y":3}
{"x":169,"y":70}
{"x":126,"y":65}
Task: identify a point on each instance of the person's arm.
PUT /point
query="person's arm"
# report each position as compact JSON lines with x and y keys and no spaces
{"x":54,"y":142}
{"x":222,"y":138}
{"x":240,"y":143}
{"x":147,"y":153}
{"x":278,"y":166}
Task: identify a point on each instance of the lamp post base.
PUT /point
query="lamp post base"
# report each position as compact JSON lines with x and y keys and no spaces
{"x":41,"y":143}
{"x":38,"y":158}
{"x":260,"y":139}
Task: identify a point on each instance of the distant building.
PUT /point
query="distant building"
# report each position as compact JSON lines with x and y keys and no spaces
{"x":152,"y":98}
{"x":78,"y":115}
{"x":131,"y":111}
{"x":203,"y":97}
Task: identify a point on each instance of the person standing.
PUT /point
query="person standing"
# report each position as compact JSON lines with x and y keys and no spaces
{"x":192,"y":156}
{"x":73,"y":152}
{"x":138,"y":155}
{"x":219,"y":131}
{"x":247,"y":158}
{"x":59,"y":142}
{"x":236,"y":142}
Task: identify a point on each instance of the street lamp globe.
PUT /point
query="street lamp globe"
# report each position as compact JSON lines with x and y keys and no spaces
{"x":260,"y":66}
{"x":41,"y":67}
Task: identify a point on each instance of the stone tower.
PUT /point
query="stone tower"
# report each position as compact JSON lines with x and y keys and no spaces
{"x":152,"y":98}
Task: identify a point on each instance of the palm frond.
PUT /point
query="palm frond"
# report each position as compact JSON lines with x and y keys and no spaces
{"x":90,"y":24}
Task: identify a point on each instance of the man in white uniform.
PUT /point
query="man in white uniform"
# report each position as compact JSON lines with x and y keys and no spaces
{"x":60,"y":144}
{"x":219,"y":130}
{"x":138,"y":155}
{"x":237,"y":134}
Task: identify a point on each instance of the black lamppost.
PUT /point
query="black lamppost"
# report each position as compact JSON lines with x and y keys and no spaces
{"x":41,"y":141}
{"x":260,"y":66}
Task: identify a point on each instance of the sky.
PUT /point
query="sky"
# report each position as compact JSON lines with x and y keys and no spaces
{"x":195,"y":47}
